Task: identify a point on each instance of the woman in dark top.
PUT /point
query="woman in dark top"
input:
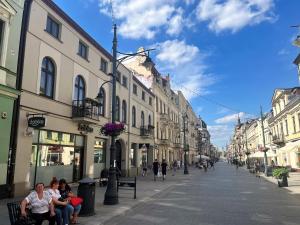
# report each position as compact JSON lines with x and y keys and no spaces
{"x":66,"y":193}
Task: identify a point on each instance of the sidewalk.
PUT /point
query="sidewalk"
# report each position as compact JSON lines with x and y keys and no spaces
{"x":293,"y":181}
{"x":146,"y":188}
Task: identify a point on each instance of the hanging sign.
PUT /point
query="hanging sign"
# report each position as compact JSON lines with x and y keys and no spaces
{"x":37,"y":122}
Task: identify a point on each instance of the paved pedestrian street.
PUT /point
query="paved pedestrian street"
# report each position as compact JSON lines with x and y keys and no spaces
{"x":224,"y":196}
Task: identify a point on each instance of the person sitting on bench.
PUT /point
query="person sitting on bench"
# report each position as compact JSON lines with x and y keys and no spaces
{"x":41,"y":205}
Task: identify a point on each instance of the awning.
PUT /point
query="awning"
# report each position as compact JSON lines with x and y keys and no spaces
{"x":290,"y":147}
{"x":270,"y":154}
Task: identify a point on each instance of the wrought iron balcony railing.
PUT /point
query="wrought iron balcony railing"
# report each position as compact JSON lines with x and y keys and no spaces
{"x":87,"y":108}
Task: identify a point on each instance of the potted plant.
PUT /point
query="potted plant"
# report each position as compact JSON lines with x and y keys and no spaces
{"x":281,"y":174}
{"x":115,"y":129}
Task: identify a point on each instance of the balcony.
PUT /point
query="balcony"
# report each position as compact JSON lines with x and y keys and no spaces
{"x":147,"y":131}
{"x":278,"y":140}
{"x":176,"y":126}
{"x":86,"y":110}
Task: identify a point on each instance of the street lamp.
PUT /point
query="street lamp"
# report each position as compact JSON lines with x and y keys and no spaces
{"x":184,"y":144}
{"x":111,"y":194}
{"x":264,"y":142}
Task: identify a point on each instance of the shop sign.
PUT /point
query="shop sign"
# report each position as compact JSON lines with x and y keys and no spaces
{"x":85,"y":128}
{"x":37,"y":122}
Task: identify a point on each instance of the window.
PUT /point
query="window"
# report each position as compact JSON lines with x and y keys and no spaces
{"x":133,"y":116}
{"x":53,"y":27}
{"x":294,"y":124}
{"x":143,"y":95}
{"x":142,"y":119}
{"x":117,"y":109}
{"x":149,"y":120}
{"x":150,"y":101}
{"x":103,"y":65}
{"x":133,"y":155}
{"x":99,"y":151}
{"x":79,"y":90}
{"x":118,"y":77}
{"x":286,"y":127}
{"x":124,"y":81}
{"x":124,"y":112}
{"x":281,"y":129}
{"x":83,"y":50}
{"x":134,"y":89}
{"x":47,"y":78}
{"x":156,"y":104}
{"x":102,"y":102}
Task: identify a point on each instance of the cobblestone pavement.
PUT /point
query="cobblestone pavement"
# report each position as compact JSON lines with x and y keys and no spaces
{"x":224,"y":196}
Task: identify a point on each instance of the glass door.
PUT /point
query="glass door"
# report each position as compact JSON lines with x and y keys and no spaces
{"x":77,"y":164}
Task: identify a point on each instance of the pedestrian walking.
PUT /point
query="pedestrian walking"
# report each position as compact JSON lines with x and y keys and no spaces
{"x":144,"y":166}
{"x":174,"y":167}
{"x":211,"y":162}
{"x":155,"y":167}
{"x":164,"y":166}
{"x":257,"y":169}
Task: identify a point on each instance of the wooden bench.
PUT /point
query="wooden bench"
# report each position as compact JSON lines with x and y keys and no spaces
{"x":14,"y":211}
{"x":127,"y":184}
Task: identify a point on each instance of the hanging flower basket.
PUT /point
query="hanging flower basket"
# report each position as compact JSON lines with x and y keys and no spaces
{"x":115,"y":129}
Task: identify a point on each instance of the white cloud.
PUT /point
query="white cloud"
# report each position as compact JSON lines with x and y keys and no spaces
{"x":233,"y":15}
{"x":220,"y":134}
{"x":233,"y":118}
{"x":144,"y":19}
{"x":230,"y":118}
{"x":283,"y":52}
{"x":186,"y":66}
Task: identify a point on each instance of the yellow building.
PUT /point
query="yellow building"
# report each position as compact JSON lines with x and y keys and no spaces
{"x":285,"y":126}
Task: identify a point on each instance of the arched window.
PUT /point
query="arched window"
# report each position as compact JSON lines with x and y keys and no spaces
{"x":79,"y":89}
{"x":124,"y":111}
{"x":117,"y":109}
{"x":149,"y":121}
{"x":133,"y":116}
{"x":102,"y":102}
{"x":142,"y":119}
{"x":47,"y":78}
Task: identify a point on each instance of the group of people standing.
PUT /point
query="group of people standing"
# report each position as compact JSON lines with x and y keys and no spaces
{"x":53,"y":204}
{"x":157,"y":168}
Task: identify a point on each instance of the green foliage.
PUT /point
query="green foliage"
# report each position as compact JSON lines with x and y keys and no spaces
{"x":280,"y":172}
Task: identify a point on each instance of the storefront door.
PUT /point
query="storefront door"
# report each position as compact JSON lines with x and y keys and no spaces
{"x":119,"y":155}
{"x":78,"y":164}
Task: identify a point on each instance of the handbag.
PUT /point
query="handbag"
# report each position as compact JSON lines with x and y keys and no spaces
{"x":75,"y":201}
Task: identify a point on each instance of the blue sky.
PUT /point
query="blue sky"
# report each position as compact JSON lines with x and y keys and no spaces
{"x":230,"y":53}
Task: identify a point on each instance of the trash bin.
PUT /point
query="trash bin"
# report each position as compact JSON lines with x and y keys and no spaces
{"x":86,"y":190}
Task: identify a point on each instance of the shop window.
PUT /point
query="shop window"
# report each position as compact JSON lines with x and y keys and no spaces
{"x":132,"y":155}
{"x":99,"y":151}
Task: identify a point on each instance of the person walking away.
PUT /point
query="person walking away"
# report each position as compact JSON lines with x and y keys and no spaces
{"x":174,"y":167}
{"x":211,"y":162}
{"x":155,"y":166}
{"x":164,"y":166}
{"x":144,"y":165}
{"x":62,"y":207}
{"x":257,"y":169}
{"x":41,"y":205}
{"x":66,"y":194}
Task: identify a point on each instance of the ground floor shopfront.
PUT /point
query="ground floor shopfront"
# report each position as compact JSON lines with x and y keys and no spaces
{"x":60,"y":149}
{"x":289,"y":155}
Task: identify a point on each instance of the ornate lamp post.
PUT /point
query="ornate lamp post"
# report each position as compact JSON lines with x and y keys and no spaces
{"x":264,"y":142}
{"x":185,"y":145}
{"x":111,"y":194}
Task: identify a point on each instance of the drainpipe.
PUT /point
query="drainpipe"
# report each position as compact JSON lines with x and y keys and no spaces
{"x":16,"y":111}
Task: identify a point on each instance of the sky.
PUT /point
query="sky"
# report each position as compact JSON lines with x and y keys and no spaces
{"x":226,"y":56}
